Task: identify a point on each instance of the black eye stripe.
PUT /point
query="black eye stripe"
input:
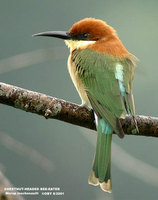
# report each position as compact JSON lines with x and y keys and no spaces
{"x":82,"y":36}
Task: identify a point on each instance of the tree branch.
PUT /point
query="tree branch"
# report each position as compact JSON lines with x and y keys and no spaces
{"x":54,"y":108}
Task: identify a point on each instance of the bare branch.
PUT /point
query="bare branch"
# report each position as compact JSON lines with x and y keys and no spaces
{"x":54,"y":108}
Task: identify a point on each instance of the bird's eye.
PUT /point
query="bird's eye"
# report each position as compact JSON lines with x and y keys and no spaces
{"x":85,"y":35}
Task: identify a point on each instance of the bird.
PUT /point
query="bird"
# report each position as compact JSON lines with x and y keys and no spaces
{"x":102,"y":71}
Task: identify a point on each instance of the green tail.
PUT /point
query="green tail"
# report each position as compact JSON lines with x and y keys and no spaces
{"x":101,"y":171}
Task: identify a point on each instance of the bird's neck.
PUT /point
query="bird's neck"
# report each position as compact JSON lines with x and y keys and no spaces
{"x":112,"y":46}
{"x":78,"y":44}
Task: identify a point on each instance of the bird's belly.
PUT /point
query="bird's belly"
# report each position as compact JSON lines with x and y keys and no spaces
{"x":78,"y":83}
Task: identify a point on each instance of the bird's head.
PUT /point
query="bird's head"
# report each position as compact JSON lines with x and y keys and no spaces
{"x":91,"y":29}
{"x":84,"y":32}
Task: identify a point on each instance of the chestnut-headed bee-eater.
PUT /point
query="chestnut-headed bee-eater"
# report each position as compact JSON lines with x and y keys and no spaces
{"x":102,"y":71}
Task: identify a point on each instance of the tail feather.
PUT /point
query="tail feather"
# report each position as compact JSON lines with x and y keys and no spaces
{"x":101,"y":171}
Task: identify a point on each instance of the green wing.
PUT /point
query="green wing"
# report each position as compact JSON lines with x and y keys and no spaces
{"x":97,"y":72}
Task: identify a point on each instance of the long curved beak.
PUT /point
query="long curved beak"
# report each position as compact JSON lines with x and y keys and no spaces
{"x":58,"y":34}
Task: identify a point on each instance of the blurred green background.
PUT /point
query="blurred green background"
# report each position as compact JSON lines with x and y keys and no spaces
{"x":36,"y":152}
